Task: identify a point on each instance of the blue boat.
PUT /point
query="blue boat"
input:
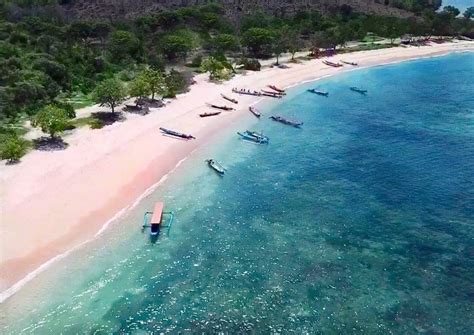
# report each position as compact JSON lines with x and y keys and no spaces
{"x":315,"y":91}
{"x":359,"y":90}
{"x":253,"y":136}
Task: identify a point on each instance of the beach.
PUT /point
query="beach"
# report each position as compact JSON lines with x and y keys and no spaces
{"x":55,"y":201}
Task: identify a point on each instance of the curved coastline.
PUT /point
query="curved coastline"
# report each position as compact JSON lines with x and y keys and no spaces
{"x":114,"y":208}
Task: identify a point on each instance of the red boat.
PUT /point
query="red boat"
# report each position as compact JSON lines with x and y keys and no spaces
{"x":279,"y":90}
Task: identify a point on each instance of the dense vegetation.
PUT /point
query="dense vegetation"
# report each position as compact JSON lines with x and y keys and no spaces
{"x":47,"y":62}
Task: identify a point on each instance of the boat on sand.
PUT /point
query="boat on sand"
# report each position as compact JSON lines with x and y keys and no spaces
{"x":331,"y":63}
{"x":229,"y":99}
{"x":279,"y":90}
{"x":209,"y":114}
{"x":176,"y":134}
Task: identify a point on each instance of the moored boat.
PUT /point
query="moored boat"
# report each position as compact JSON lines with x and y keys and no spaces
{"x":271,"y":92}
{"x":283,"y":120}
{"x":359,"y":90}
{"x":154,"y":220}
{"x":177,"y":134}
{"x":209,"y":114}
{"x":216,"y":166}
{"x":255,"y":112}
{"x":331,"y":63}
{"x":229,"y":99}
{"x":315,"y":91}
{"x":253,"y":136}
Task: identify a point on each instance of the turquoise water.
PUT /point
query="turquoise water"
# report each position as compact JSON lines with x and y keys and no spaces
{"x":360,"y":222}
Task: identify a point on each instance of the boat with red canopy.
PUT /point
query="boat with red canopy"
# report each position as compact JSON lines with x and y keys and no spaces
{"x":155,"y":220}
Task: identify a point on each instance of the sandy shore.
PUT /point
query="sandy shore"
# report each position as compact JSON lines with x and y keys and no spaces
{"x":55,"y":201}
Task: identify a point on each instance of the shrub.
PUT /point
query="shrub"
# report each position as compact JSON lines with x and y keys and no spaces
{"x":13,"y":148}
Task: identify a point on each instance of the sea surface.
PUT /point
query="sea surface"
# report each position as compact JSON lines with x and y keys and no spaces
{"x":360,"y":222}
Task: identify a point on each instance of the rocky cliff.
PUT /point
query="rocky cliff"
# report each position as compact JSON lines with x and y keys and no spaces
{"x":113,"y":9}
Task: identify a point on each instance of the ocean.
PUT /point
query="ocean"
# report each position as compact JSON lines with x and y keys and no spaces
{"x":361,"y":221}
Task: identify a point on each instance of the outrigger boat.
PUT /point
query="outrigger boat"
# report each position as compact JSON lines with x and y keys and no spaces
{"x":349,"y":63}
{"x":154,"y":220}
{"x":359,"y":90}
{"x":226,"y":108}
{"x":246,"y":92}
{"x":209,"y":114}
{"x":315,"y":91}
{"x":279,"y":90}
{"x":280,"y":119}
{"x":274,"y":93}
{"x":229,"y":99}
{"x":331,"y":63}
{"x":253,"y":136}
{"x":177,"y":134}
{"x":216,"y":166}
{"x":255,"y":112}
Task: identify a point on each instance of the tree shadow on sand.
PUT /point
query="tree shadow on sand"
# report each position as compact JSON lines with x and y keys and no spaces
{"x":49,"y":143}
{"x":108,"y":118}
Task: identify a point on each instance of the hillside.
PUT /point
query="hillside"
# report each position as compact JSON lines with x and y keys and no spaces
{"x":114,"y":9}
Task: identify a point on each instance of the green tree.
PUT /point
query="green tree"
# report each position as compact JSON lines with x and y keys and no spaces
{"x":123,"y":45}
{"x":51,"y":119}
{"x":155,"y":81}
{"x":258,"y":41}
{"x":226,"y":42}
{"x":469,"y":13}
{"x":13,"y":148}
{"x":213,"y":66}
{"x":175,"y":45}
{"x":175,"y":83}
{"x":451,"y":10}
{"x":110,"y":92}
{"x":139,"y":88}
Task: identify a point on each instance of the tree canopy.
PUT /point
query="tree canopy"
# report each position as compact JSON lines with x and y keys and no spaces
{"x":110,"y":93}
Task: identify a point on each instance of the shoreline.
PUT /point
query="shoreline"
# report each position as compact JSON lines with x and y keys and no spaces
{"x":133,"y":155}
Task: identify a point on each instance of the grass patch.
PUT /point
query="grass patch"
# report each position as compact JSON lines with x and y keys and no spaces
{"x":80,"y":100}
{"x":90,"y":121}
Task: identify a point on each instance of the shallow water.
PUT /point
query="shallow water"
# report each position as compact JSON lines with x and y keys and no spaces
{"x":362,"y":221}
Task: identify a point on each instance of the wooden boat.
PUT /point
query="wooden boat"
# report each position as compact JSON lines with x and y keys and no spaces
{"x":349,"y":63}
{"x":229,"y":99}
{"x":209,"y":114}
{"x":226,"y":108}
{"x":154,"y":220}
{"x":315,"y":91}
{"x":359,"y":90}
{"x":331,"y":63}
{"x":273,"y":87}
{"x":272,"y":95}
{"x":271,"y":92}
{"x":177,"y":134}
{"x":255,"y":112}
{"x":216,"y":166}
{"x":280,"y":119}
{"x":253,"y":136}
{"x":246,"y":92}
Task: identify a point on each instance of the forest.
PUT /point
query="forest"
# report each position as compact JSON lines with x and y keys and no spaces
{"x":50,"y":66}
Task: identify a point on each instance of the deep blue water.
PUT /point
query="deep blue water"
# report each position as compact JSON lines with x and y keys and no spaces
{"x":362,"y":221}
